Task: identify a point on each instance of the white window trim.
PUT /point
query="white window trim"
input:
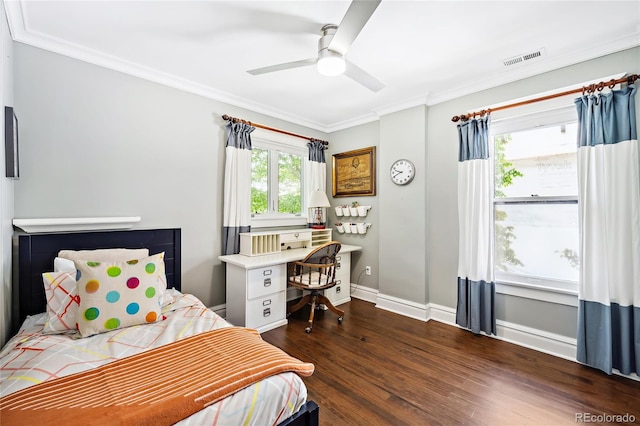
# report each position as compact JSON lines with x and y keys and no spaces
{"x":545,"y":294}
{"x":263,"y":140}
{"x":521,"y":288}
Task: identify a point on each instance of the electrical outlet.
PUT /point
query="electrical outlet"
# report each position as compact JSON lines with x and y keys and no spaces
{"x":367,"y":270}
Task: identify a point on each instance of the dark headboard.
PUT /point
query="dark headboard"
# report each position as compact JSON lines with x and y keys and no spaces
{"x":35,"y":254}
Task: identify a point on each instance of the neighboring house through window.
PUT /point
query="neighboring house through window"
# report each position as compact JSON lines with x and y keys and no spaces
{"x":536,"y":201}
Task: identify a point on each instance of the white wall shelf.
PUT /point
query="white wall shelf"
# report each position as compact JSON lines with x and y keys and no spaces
{"x":34,"y":226}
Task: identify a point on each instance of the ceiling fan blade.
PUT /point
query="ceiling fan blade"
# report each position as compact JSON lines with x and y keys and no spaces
{"x":353,"y":22}
{"x":359,"y":75}
{"x":285,"y":66}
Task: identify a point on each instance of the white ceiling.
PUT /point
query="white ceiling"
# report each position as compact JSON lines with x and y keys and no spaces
{"x":425,"y":52}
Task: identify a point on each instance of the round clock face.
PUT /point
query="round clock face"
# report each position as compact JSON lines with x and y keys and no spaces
{"x":402,"y":172}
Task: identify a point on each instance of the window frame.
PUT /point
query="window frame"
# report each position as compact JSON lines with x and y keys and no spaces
{"x":549,"y":290}
{"x":273,"y":218}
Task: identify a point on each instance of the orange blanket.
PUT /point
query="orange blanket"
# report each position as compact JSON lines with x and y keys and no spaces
{"x":160,"y":386}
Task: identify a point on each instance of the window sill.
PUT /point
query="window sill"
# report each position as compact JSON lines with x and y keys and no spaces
{"x":269,"y":222}
{"x":545,"y":294}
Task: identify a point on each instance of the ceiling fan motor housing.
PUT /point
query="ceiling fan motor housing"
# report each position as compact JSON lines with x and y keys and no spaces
{"x":328,"y":31}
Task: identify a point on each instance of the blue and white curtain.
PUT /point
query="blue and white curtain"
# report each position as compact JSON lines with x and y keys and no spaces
{"x":315,"y":174}
{"x":237,"y":186}
{"x":476,"y":286}
{"x":609,"y":207}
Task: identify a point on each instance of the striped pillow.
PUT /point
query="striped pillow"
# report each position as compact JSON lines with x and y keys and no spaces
{"x":62,"y":302}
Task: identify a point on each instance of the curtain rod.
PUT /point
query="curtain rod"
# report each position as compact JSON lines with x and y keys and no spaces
{"x":585,"y":89}
{"x":273,"y":129}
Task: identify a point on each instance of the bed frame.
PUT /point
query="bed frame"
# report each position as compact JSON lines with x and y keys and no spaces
{"x":34,"y":254}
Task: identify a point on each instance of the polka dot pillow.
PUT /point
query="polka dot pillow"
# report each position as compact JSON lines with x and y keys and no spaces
{"x":118,"y":294}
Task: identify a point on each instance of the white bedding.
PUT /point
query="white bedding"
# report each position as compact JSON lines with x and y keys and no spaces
{"x":31,"y":357}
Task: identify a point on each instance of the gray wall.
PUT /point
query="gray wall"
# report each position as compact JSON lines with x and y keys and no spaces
{"x":96,"y":142}
{"x":403,"y":221}
{"x":6,"y":185}
{"x":347,"y":140}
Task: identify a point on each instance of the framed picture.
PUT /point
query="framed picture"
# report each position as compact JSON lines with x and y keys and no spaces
{"x":12,"y":163}
{"x":354,"y":173}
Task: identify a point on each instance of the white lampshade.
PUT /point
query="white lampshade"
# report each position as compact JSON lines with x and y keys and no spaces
{"x":319,"y":199}
{"x":331,"y":63}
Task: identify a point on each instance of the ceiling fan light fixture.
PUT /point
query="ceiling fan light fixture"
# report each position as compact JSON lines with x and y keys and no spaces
{"x":331,"y":63}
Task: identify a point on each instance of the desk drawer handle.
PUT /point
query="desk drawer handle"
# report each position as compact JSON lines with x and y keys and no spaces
{"x":267,"y":272}
{"x":338,"y":266}
{"x":266,"y":312}
{"x":267,"y":282}
{"x":266,"y":302}
{"x":338,"y":289}
{"x":338,"y":257}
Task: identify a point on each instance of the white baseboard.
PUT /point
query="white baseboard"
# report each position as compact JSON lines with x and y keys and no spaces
{"x":403,"y":307}
{"x":364,"y":293}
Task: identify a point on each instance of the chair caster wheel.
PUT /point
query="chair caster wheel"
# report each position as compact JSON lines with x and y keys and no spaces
{"x":307,"y":330}
{"x":340,"y":320}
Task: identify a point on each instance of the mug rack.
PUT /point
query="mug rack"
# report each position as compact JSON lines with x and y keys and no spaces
{"x":349,"y":226}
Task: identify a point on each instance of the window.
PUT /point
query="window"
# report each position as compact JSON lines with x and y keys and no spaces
{"x":276,"y":184}
{"x":536,"y":200}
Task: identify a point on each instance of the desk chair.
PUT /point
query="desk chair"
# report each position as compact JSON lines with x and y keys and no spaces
{"x":315,"y":273}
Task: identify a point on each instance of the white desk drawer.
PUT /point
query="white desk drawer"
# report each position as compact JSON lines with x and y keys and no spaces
{"x":263,"y":281}
{"x":343,"y":268}
{"x":292,"y":237}
{"x":265,"y":310}
{"x":337,"y":291}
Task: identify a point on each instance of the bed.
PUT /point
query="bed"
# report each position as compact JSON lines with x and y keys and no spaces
{"x":40,"y":370}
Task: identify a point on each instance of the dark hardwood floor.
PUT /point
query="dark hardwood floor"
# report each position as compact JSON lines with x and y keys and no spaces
{"x":380,"y":368}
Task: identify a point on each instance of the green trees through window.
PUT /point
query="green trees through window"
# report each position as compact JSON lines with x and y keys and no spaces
{"x":504,"y":177}
{"x":276,"y":182}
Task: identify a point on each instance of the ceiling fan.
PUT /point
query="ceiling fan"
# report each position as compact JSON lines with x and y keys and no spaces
{"x":333,"y":46}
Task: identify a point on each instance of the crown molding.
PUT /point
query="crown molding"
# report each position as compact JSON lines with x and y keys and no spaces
{"x":21,"y":32}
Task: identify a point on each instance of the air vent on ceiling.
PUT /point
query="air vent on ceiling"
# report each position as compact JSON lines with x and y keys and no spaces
{"x":523,"y":58}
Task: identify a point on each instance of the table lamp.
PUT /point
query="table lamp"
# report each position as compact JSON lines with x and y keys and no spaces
{"x":317,"y":201}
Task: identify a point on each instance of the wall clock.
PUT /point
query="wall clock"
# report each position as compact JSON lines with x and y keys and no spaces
{"x":402,"y":172}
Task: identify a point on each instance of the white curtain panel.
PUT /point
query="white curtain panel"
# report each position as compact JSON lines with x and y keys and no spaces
{"x":237,"y":186}
{"x":315,"y":174}
{"x":609,"y":207}
{"x":476,"y":286}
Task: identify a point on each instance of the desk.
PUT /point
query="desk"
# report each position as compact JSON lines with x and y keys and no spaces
{"x":257,"y":286}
